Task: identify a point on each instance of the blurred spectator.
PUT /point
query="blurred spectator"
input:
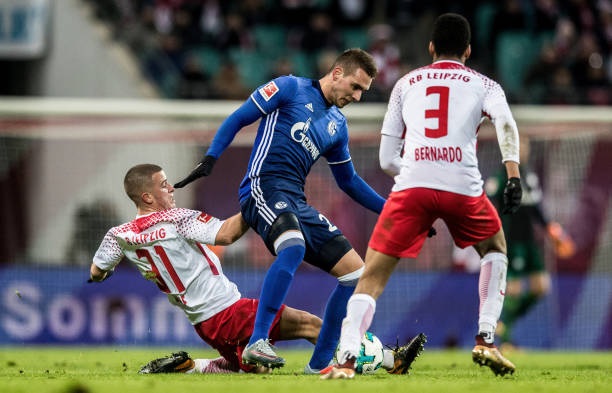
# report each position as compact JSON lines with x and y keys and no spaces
{"x":585,"y":15}
{"x":511,"y":17}
{"x":325,"y":60}
{"x":195,"y":81}
{"x":606,"y":25}
{"x":561,"y":90}
{"x":185,"y":28}
{"x":539,"y":76}
{"x":546,"y":16}
{"x":254,"y":12}
{"x":402,"y":14}
{"x":140,"y":34}
{"x":163,"y":61}
{"x":210,"y":20}
{"x":352,"y":13}
{"x":588,"y":71}
{"x":172,"y":46}
{"x":582,"y":14}
{"x":227,"y":84}
{"x":235,"y":34}
{"x":293,"y":13}
{"x":163,"y":16}
{"x":160,"y":31}
{"x":282,"y":66}
{"x":565,"y":37}
{"x":90,"y":223}
{"x":387,"y":56}
{"x":320,"y":34}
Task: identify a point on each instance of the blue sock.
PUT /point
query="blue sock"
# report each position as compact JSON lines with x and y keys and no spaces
{"x":332,"y":323}
{"x":274,"y":289}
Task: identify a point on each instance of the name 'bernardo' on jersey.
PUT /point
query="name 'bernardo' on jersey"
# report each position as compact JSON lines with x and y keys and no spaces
{"x":433,"y":153}
{"x":147,"y":237}
{"x":440,"y":76}
{"x":298,"y":134}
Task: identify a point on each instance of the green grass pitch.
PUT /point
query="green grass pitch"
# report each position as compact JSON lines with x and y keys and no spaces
{"x":114,"y":370}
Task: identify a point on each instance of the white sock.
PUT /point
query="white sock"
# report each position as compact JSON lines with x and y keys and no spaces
{"x":491,"y":290}
{"x":200,"y":364}
{"x":211,"y":366}
{"x":359,"y":314}
{"x":388,"y":359}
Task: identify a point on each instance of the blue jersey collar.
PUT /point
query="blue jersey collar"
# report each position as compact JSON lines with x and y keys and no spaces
{"x":317,"y":85}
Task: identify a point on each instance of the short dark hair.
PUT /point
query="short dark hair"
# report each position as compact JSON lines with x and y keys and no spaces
{"x":451,"y":35}
{"x":138,"y":179}
{"x":353,"y":59}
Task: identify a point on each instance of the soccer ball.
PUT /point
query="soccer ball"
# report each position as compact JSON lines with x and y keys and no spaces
{"x":370,"y":355}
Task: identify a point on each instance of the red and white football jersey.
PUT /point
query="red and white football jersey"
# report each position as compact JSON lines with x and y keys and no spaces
{"x":437,"y":110}
{"x":168,"y":249}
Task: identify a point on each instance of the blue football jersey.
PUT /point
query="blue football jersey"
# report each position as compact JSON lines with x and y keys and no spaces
{"x":297,"y":128}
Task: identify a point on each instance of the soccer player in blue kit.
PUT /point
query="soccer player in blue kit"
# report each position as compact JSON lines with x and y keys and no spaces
{"x":300,"y":123}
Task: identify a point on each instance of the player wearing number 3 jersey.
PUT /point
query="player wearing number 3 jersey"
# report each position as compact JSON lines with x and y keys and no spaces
{"x":429,"y":145}
{"x":168,"y":246}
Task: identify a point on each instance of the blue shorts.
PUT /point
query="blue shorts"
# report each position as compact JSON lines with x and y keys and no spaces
{"x":320,"y":234}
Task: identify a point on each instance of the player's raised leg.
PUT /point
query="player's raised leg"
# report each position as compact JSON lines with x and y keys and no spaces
{"x":360,"y":312}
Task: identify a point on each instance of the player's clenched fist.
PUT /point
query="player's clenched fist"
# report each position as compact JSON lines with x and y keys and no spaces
{"x":204,"y":168}
{"x":513,"y":193}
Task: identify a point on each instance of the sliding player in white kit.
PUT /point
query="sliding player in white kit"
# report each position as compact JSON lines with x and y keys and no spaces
{"x":167,"y":245}
{"x":428,"y":144}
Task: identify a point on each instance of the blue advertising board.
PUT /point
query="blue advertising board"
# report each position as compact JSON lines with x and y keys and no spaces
{"x":58,"y":306}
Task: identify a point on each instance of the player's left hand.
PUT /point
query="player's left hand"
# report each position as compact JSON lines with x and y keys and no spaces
{"x":513,"y":193}
{"x":204,"y":168}
{"x":107,"y":275}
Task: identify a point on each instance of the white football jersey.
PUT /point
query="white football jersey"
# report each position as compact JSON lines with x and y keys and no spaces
{"x":167,"y":247}
{"x":437,"y":110}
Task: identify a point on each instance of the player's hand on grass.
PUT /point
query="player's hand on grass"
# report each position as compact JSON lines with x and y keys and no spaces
{"x":513,"y":193}
{"x":204,"y":168}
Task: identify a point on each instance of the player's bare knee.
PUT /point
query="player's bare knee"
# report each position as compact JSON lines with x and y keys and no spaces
{"x":351,"y":279}
{"x":496,"y":243}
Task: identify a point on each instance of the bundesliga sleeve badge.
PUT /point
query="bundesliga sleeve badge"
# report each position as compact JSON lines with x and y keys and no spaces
{"x":268,"y":90}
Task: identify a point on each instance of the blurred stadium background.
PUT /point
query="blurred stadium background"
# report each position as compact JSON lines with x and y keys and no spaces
{"x":90,"y":88}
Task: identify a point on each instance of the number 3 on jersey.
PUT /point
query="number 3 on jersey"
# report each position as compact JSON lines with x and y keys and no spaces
{"x":441,"y":113}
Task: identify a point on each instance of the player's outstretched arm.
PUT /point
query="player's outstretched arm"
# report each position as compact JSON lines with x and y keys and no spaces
{"x":98,"y":275}
{"x":354,"y":186}
{"x":231,"y":230}
{"x":243,"y":116}
{"x":203,"y":168}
